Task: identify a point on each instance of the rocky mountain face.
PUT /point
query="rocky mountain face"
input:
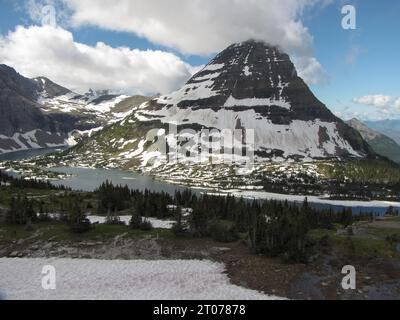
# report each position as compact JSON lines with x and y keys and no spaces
{"x":248,"y":86}
{"x":48,"y":88}
{"x":18,"y":107}
{"x":38,"y":113}
{"x":379,"y":142}
{"x":254,"y":86}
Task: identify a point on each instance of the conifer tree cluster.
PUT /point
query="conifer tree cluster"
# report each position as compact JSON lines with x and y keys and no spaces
{"x":76,"y":217}
{"x":273,"y":228}
{"x":21,"y":211}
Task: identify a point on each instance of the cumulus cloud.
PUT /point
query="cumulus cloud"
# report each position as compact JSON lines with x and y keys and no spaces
{"x":204,"y":27}
{"x":384,"y":103}
{"x":397,"y":103}
{"x":52,"y":52}
{"x":377,"y":100}
{"x":311,"y":70}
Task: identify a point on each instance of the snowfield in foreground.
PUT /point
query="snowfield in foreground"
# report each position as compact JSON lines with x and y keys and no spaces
{"x":21,"y":279}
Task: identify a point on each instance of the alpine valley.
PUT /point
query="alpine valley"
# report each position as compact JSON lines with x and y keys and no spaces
{"x":299,"y":146}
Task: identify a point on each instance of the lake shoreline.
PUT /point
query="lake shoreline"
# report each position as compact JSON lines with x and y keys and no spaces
{"x":142,"y":180}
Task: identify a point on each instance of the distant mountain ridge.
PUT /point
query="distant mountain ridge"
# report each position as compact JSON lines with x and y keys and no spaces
{"x":38,"y":113}
{"x":390,"y":128}
{"x":381,"y":143}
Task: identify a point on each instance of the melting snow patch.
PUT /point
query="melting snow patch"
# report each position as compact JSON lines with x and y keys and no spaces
{"x":214,"y":67}
{"x":252,"y":102}
{"x":82,"y":279}
{"x":247,"y":72}
{"x":156,"y":223}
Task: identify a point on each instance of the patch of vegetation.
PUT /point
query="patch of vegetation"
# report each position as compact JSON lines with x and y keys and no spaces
{"x":353,"y":247}
{"x":362,"y":171}
{"x":224,"y":231}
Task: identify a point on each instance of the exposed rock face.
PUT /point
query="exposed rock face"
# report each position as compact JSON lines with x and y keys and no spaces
{"x":18,"y":108}
{"x":253,"y":71}
{"x":50,"y":89}
{"x":23,"y":123}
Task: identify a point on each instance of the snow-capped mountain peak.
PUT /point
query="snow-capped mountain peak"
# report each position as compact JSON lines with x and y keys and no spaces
{"x":255,"y":86}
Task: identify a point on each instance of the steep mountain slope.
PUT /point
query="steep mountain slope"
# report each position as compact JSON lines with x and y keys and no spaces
{"x":23,"y":125}
{"x":390,"y":128}
{"x":254,"y":86}
{"x":380,"y":143}
{"x":38,"y":113}
{"x":18,"y":108}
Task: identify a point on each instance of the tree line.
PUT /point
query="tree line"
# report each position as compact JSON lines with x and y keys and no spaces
{"x":273,"y":228}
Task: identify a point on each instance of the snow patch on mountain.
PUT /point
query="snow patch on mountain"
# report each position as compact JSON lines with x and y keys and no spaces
{"x":64,"y":103}
{"x":247,"y":72}
{"x":213,"y":67}
{"x":35,"y":139}
{"x":297,"y":138}
{"x":106,"y":106}
{"x":190,"y":92}
{"x":254,"y":102}
{"x":75,"y":136}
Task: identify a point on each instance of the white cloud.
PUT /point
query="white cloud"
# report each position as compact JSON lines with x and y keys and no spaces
{"x":205,"y":27}
{"x":377,"y":100}
{"x":310,"y":69}
{"x":52,"y":52}
{"x":385,"y":104}
{"x":397,"y":103}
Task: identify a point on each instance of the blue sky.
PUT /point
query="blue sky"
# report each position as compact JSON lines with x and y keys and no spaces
{"x":375,"y":66}
{"x":360,"y":64}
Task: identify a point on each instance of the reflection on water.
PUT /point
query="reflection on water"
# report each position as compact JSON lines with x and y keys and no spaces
{"x":86,"y":179}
